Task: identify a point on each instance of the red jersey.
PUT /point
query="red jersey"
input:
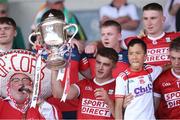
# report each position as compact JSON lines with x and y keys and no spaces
{"x":121,"y":65}
{"x":9,"y":111}
{"x":78,"y":63}
{"x":158,"y":49}
{"x":89,"y":106}
{"x":167,"y":87}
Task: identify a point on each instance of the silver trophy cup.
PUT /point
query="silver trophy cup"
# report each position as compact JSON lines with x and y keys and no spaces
{"x":54,"y":34}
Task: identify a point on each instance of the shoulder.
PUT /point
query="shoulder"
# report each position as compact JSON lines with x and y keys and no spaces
{"x":172,"y":34}
{"x":130,"y":5}
{"x":123,"y":75}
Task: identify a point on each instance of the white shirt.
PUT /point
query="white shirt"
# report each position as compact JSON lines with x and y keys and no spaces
{"x":140,"y":85}
{"x":126,"y":10}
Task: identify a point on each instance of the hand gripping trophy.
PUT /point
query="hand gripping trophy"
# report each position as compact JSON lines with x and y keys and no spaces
{"x":54,"y":34}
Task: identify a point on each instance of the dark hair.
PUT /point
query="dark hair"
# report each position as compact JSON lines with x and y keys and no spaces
{"x":109,"y":53}
{"x":57,"y":13}
{"x":138,"y":41}
{"x":111,"y":23}
{"x":8,"y":20}
{"x":175,"y":44}
{"x":153,"y":6}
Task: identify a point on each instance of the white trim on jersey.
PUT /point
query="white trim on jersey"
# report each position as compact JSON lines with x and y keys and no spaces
{"x":175,"y":75}
{"x":104,"y":83}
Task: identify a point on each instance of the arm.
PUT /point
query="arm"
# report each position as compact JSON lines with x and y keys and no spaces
{"x":101,"y":94}
{"x":156,"y":102}
{"x":129,"y":24}
{"x":79,"y":44}
{"x":174,"y":9}
{"x":127,"y":100}
{"x":119,"y":108}
{"x":57,"y":88}
{"x":92,"y":47}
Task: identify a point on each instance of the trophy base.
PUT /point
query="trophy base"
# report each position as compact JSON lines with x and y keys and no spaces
{"x":56,"y":64}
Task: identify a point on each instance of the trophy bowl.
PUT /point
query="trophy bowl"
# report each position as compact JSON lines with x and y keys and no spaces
{"x":54,"y":35}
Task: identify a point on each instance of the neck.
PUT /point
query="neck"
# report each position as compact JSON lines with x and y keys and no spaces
{"x":117,"y":4}
{"x":156,"y":35}
{"x":6,"y":47}
{"x":118,"y":47}
{"x":99,"y":80}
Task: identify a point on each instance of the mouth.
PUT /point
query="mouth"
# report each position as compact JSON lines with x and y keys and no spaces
{"x":24,"y":90}
{"x":3,"y":36}
{"x":135,"y":63}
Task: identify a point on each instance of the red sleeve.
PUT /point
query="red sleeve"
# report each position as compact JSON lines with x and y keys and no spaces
{"x":83,"y":64}
{"x":156,"y":86}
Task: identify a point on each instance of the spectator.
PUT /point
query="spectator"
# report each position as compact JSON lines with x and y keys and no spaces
{"x":137,"y":79}
{"x":7,"y":33}
{"x":167,"y":86}
{"x":156,"y":39}
{"x":95,"y":96}
{"x":124,"y":13}
{"x":170,"y":11}
{"x":18,"y":42}
{"x":17,"y":80}
{"x":69,"y":17}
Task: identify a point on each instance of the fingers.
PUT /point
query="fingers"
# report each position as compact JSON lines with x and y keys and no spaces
{"x":91,"y":49}
{"x":100,"y":93}
{"x":127,"y":100}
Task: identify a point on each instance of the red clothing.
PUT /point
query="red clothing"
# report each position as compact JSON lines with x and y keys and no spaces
{"x":78,"y":63}
{"x":167,"y":87}
{"x":89,"y":107}
{"x":157,"y":51}
{"x":8,"y":112}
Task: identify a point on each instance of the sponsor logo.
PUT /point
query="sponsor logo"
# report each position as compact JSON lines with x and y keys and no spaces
{"x":111,"y":92}
{"x":142,"y":90}
{"x":166,"y":84}
{"x":88,"y":88}
{"x":158,"y":54}
{"x":172,"y":99}
{"x":95,"y":107}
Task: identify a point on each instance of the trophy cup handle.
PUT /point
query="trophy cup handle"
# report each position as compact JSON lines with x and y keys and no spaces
{"x":33,"y":34}
{"x":75,"y":32}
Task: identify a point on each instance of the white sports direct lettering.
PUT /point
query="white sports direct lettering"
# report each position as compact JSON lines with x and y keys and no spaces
{"x":95,"y":107}
{"x":172,"y":99}
{"x":158,"y":54}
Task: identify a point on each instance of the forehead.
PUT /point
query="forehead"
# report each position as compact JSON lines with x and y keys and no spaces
{"x":5,"y":25}
{"x":109,"y":29}
{"x":20,"y":75}
{"x":174,"y":53}
{"x":102,"y":59}
{"x":152,"y":13}
{"x":135,"y":47}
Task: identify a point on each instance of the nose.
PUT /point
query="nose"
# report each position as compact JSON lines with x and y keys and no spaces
{"x":101,"y":66}
{"x":2,"y":31}
{"x":177,"y":62}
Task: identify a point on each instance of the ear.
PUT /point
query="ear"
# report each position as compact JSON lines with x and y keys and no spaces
{"x":15,"y":33}
{"x":145,"y":57}
{"x":120,"y":37}
{"x":163,"y":19}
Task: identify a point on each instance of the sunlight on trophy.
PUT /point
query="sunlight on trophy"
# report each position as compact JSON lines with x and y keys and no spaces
{"x":54,"y":34}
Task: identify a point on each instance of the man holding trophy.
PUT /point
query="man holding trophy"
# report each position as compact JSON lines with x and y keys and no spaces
{"x":53,"y":32}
